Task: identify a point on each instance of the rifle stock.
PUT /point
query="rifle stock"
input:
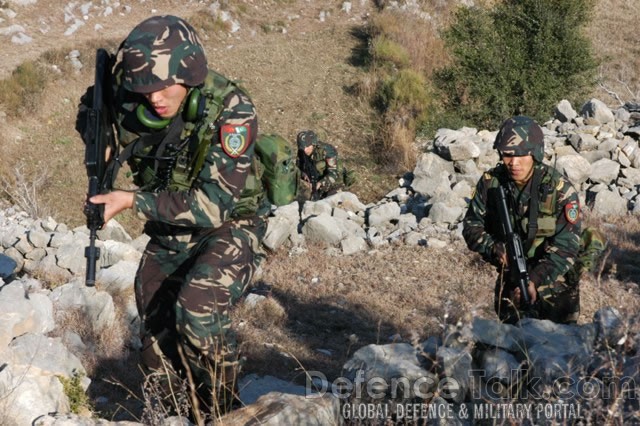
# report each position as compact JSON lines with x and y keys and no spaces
{"x":517,"y":263}
{"x":98,"y":138}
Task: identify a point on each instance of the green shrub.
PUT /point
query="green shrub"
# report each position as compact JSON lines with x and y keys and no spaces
{"x":385,"y":52}
{"x":78,"y":399}
{"x":21,"y":91}
{"x":520,"y":57}
{"x":405,"y":92}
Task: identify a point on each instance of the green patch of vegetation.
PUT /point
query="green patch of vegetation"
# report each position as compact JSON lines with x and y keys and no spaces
{"x":405,"y":91}
{"x":57,"y":59}
{"x":519,"y":57}
{"x":65,"y":140}
{"x":242,"y":9}
{"x":208,"y":24}
{"x":318,"y":116}
{"x":387,"y":52}
{"x":515,"y":57}
{"x":78,"y":399}
{"x":276,"y":27}
{"x":398,"y":85}
{"x":21,"y":91}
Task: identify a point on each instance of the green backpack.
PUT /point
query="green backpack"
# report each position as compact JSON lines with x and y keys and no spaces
{"x":279,"y":176}
{"x":348,"y":177}
{"x":593,"y":244}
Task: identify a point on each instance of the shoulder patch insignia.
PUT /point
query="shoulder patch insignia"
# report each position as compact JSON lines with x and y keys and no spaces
{"x":572,"y":212}
{"x":234,"y":139}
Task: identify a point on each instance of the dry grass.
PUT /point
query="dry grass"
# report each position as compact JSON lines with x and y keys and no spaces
{"x":341,"y":303}
{"x":624,"y":240}
{"x":404,"y":51}
{"x":397,"y":148}
{"x":618,"y":48}
{"x":418,"y":37}
{"x":107,"y":343}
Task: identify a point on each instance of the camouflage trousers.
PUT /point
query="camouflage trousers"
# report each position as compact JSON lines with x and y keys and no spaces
{"x":183,"y":298}
{"x":558,"y":302}
{"x":305,"y":192}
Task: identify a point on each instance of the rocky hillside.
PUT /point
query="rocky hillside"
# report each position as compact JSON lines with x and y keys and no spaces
{"x":42,"y":271}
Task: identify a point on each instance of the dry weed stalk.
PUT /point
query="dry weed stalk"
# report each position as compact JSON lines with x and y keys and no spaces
{"x":631,"y":94}
{"x":23,"y":192}
{"x":155,"y":398}
{"x":193,"y":395}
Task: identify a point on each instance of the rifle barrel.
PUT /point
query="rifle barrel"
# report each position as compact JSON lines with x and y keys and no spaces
{"x":92,"y":253}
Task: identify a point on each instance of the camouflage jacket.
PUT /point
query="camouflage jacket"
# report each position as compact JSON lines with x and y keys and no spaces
{"x":557,"y":240}
{"x":213,"y":177}
{"x":325,"y":159}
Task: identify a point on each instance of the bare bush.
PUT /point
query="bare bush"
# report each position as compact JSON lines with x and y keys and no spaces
{"x":23,"y":190}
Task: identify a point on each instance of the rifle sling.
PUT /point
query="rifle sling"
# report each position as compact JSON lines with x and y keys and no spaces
{"x":169,"y":135}
{"x":534,"y":207}
{"x":534,"y":204}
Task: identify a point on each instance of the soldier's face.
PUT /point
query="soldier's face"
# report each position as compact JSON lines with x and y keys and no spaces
{"x":520,"y":167}
{"x":166,"y":102}
{"x":308,"y":150}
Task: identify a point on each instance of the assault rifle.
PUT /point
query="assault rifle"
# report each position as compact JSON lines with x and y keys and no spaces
{"x":309,"y":169}
{"x":516,"y":261}
{"x":99,"y":138}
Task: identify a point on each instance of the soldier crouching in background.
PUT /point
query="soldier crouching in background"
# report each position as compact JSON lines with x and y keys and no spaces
{"x":320,"y":168}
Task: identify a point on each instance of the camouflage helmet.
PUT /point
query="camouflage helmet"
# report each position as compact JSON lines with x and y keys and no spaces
{"x":306,"y":138}
{"x":520,"y":135}
{"x":162,"y":51}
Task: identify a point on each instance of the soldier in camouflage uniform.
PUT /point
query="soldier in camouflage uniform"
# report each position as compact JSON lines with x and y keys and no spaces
{"x":545,"y":211}
{"x":189,"y":137}
{"x":318,"y":162}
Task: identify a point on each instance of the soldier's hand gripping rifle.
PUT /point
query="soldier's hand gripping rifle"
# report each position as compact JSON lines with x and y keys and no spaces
{"x":99,"y":139}
{"x":516,"y":261}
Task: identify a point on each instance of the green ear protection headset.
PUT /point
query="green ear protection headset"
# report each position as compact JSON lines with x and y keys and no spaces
{"x":192,"y":111}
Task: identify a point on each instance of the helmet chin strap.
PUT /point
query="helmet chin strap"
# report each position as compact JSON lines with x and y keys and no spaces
{"x":149,"y":119}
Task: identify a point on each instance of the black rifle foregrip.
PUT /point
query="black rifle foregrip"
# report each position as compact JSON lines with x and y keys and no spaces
{"x":515,"y":250}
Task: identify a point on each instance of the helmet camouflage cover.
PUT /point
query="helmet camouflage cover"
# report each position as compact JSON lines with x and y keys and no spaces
{"x":520,"y":136}
{"x":162,"y":51}
{"x":306,"y":138}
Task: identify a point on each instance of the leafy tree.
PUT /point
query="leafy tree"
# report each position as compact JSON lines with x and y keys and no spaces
{"x":519,"y":57}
